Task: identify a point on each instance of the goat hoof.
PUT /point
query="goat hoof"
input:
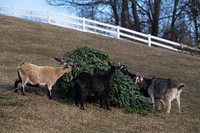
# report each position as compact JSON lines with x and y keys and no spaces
{"x":82,"y":108}
{"x":159,"y":109}
{"x":50,"y":98}
{"x":167,"y":114}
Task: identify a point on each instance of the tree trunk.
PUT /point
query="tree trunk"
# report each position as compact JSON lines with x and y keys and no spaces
{"x":113,"y":4}
{"x":195,"y":13}
{"x":135,"y":16}
{"x":124,"y":14}
{"x":156,"y":14}
{"x":173,"y":30}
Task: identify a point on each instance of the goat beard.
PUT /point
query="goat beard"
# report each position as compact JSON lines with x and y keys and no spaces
{"x":139,"y":84}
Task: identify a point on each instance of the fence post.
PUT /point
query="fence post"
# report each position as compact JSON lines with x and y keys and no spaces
{"x":83,"y":24}
{"x":118,"y":32}
{"x":48,"y":17}
{"x":149,"y":39}
{"x":13,"y":11}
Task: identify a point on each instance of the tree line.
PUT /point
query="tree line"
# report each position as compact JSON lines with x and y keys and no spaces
{"x":176,"y":20}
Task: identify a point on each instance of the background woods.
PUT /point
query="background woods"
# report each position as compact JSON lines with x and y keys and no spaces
{"x":176,"y":20}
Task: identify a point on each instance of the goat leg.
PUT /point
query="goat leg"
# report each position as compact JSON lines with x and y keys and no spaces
{"x":101,"y":102}
{"x":76,"y":102}
{"x":178,"y":105}
{"x":107,"y":101}
{"x":49,"y":94}
{"x":22,"y":90}
{"x":82,"y":107}
{"x":82,"y":99}
{"x":49,"y":90}
{"x":16,"y":84}
{"x":168,"y":107}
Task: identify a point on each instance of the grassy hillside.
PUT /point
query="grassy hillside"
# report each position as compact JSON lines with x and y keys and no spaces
{"x":38,"y":43}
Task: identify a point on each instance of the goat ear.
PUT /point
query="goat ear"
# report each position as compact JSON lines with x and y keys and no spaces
{"x":126,"y":67}
{"x":139,"y":75}
{"x":109,"y":64}
{"x":70,"y":64}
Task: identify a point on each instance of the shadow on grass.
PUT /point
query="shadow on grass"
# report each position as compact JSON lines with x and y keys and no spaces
{"x":8,"y":100}
{"x":7,"y":89}
{"x":10,"y":88}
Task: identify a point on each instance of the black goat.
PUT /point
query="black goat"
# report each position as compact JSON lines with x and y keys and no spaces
{"x":161,"y":90}
{"x":143,"y":85}
{"x":126,"y":72}
{"x":98,"y":85}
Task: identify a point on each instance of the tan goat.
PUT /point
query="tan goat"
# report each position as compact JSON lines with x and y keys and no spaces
{"x":33,"y":75}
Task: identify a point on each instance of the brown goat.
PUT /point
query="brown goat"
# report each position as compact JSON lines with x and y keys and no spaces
{"x":33,"y":75}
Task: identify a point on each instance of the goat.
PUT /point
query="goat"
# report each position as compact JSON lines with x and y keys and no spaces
{"x":143,"y":85}
{"x":161,"y":90}
{"x":126,"y":72}
{"x":33,"y":75}
{"x":98,"y":85}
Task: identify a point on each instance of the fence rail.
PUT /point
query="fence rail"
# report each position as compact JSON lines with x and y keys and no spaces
{"x":87,"y":25}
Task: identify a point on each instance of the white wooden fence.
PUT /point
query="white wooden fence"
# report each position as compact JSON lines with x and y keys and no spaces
{"x":87,"y":25}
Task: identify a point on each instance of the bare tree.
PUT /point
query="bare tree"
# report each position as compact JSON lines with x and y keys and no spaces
{"x":151,"y":9}
{"x":155,"y":16}
{"x":194,"y":13}
{"x":113,"y":4}
{"x":173,"y":19}
{"x":125,"y":14}
{"x":174,"y":16}
{"x":137,"y":26}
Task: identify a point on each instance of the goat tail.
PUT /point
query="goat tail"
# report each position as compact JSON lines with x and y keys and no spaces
{"x":180,"y":86}
{"x":17,"y":81}
{"x":19,"y":76}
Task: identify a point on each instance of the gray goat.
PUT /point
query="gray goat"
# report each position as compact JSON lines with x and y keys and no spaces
{"x":162,"y":90}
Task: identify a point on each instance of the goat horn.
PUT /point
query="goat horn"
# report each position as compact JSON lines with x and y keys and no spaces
{"x":58,"y":59}
{"x":138,"y":74}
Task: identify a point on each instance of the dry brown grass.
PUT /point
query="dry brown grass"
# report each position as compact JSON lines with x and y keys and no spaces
{"x":38,"y":43}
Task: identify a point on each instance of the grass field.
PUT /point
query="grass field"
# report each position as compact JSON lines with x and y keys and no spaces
{"x":39,"y":43}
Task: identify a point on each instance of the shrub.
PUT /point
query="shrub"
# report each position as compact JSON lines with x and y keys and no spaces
{"x":84,"y":59}
{"x":123,"y":94}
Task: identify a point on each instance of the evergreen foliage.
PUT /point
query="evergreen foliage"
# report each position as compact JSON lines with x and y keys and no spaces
{"x":124,"y":93}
